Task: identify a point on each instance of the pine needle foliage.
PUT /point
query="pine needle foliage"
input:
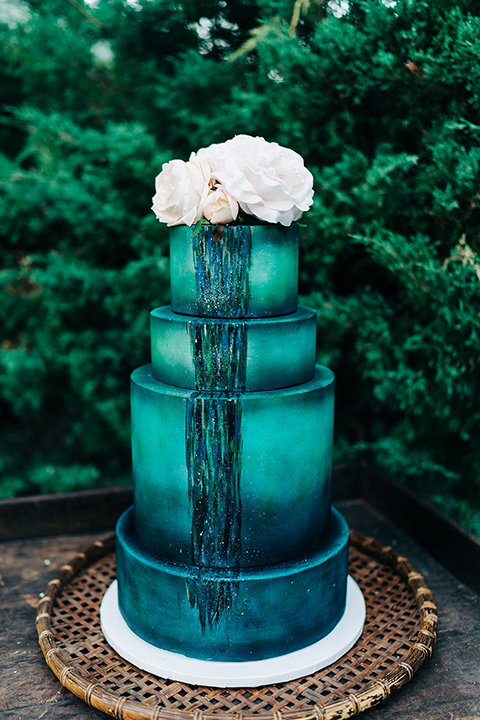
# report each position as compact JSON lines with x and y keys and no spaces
{"x":382,"y":98}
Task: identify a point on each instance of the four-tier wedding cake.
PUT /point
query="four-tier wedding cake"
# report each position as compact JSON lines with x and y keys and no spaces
{"x":232,"y":557}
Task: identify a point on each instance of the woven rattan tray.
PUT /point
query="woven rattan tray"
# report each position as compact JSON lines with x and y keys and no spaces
{"x":399,"y":635}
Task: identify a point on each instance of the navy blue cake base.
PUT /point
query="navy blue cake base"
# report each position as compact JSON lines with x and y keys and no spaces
{"x":253,"y":673}
{"x":236,"y":615}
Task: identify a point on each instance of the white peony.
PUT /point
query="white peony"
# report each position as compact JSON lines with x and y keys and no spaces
{"x":269,"y":181}
{"x":220,"y":207}
{"x":181,"y":191}
{"x":266,"y":180}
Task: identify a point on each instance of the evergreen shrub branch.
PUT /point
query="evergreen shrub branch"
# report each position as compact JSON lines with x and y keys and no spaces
{"x":383,"y":102}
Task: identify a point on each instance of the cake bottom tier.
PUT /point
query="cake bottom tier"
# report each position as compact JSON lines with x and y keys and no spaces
{"x":230,"y":615}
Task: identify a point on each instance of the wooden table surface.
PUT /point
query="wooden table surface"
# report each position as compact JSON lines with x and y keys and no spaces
{"x":447,"y":687}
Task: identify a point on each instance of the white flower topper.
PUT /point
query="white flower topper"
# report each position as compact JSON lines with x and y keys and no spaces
{"x":263,"y":179}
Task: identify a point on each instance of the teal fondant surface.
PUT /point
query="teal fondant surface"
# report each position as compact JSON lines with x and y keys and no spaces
{"x":268,"y":610}
{"x":256,"y":466}
{"x":253,"y":354}
{"x":250,"y":271}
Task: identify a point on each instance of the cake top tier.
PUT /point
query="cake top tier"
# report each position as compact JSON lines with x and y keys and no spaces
{"x":234,"y":251}
{"x":234,"y":271}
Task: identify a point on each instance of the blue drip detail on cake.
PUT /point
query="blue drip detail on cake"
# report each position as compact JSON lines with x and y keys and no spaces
{"x":213,"y":449}
{"x":219,"y":355}
{"x":213,"y":422}
{"x":221,"y":277}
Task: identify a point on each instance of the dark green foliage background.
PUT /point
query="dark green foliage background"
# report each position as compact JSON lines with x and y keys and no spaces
{"x":383,"y":102}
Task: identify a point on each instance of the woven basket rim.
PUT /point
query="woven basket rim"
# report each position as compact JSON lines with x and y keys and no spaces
{"x":125,"y":708}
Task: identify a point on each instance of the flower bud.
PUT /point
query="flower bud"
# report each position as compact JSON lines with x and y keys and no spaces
{"x":220,"y":208}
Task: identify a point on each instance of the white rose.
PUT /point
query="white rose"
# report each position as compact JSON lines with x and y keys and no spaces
{"x":220,"y":207}
{"x":181,"y":191}
{"x":269,"y":181}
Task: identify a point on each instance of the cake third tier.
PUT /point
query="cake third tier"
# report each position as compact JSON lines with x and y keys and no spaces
{"x":232,"y":479}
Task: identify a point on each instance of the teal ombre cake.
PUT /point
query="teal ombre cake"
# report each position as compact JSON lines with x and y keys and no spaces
{"x":232,"y":551}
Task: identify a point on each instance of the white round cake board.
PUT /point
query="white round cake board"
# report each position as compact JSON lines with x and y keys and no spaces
{"x":251,"y":673}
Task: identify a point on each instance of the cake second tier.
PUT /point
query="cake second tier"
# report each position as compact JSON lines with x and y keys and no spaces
{"x":232,"y":479}
{"x":236,"y":354}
